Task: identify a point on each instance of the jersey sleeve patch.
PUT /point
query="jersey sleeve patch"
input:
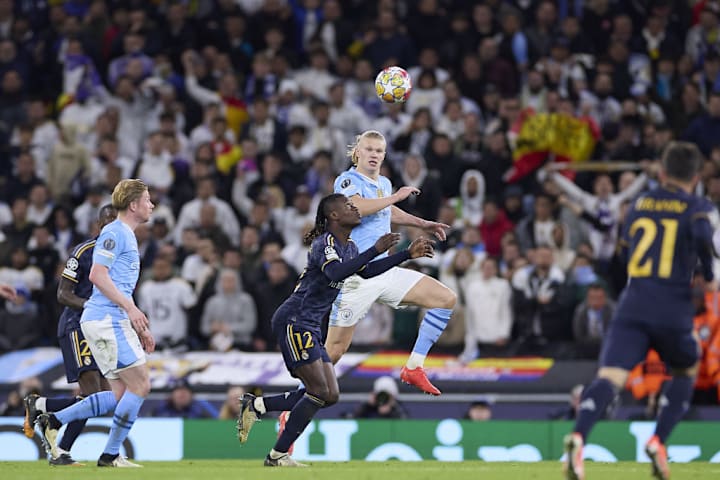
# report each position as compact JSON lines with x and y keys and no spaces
{"x":71,"y":268}
{"x":347,"y":187}
{"x":331,"y":253}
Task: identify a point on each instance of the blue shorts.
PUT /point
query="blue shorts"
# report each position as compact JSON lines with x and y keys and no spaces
{"x":76,"y":354}
{"x":299,"y":345}
{"x":627,"y":344}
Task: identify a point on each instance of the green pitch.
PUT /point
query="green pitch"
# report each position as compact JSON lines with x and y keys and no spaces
{"x":356,"y":470}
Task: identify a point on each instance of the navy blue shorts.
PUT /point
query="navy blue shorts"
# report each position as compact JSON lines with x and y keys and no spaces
{"x":299,"y":345}
{"x":76,"y":354}
{"x":627,"y":344}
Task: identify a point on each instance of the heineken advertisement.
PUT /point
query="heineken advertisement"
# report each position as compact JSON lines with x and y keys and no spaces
{"x":450,"y":440}
{"x":376,"y":440}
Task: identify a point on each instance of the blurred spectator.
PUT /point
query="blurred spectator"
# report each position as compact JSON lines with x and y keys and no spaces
{"x":493,"y":227}
{"x":230,"y":409}
{"x":592,"y":320}
{"x":68,"y":167}
{"x":269,"y":295}
{"x":229,"y":318}
{"x":415,"y":174}
{"x":479,"y":411}
{"x":383,"y":401}
{"x":14,"y":406}
{"x":224,"y":215}
{"x":539,"y":304}
{"x":18,"y":232}
{"x":40,"y":205}
{"x":704,"y":130}
{"x":537,"y":229}
{"x":293,"y":219}
{"x":86,"y":214}
{"x":488,"y":312}
{"x":604,"y":205}
{"x":21,"y":182}
{"x":182,"y":404}
{"x":165,"y":299}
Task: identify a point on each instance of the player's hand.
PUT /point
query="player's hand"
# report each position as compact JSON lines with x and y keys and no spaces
{"x":405,"y":192}
{"x":7,"y":292}
{"x":147,"y":341}
{"x":712,"y":286}
{"x":421,"y":247}
{"x":138,"y":319}
{"x":386,"y":242}
{"x":436,"y":229}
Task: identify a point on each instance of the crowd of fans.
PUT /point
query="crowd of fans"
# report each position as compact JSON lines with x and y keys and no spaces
{"x":237,"y":114}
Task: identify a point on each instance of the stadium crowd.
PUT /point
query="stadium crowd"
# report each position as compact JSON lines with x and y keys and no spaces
{"x":237,"y":114}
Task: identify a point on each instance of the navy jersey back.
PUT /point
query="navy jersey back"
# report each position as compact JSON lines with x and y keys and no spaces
{"x":666,"y":231}
{"x":315,"y":292}
{"x":77,"y":270}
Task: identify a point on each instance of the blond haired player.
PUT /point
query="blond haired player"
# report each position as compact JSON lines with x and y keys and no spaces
{"x":372,"y":194}
{"x":116,"y":330}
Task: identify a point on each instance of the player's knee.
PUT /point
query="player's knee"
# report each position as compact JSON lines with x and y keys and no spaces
{"x":616,"y":376}
{"x":336,"y":351}
{"x":447,"y":299}
{"x":332,"y":397}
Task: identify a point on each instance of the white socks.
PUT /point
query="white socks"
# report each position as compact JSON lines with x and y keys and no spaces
{"x":415,"y":360}
{"x":274,"y":454}
{"x":259,"y":405}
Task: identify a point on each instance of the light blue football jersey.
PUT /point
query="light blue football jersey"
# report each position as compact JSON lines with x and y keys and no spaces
{"x":117,"y":249}
{"x":372,"y":227}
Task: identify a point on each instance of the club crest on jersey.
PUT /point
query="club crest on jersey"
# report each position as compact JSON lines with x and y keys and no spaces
{"x":109,"y":244}
{"x":345,"y":183}
{"x":380,"y":193}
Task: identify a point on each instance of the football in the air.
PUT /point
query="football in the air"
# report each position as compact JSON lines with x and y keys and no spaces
{"x":393,"y":85}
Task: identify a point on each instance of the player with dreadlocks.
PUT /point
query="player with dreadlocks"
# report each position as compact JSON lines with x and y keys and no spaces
{"x":332,"y":258}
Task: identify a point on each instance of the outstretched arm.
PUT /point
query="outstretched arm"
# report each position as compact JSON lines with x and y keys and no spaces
{"x":401,"y":217}
{"x":419,"y":248}
{"x":368,"y":206}
{"x":336,"y":270}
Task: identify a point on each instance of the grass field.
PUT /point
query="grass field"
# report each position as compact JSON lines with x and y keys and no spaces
{"x":356,"y":470}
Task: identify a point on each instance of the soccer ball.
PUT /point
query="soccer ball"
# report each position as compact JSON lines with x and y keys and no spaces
{"x":393,"y":85}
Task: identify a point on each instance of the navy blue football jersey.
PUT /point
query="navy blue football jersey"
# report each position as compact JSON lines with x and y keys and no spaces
{"x":315,"y":292}
{"x":77,"y":270}
{"x":666,"y":231}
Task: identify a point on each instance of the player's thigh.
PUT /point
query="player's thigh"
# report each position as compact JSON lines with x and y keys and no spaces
{"x":301,"y":346}
{"x":425,"y":291}
{"x":136,"y":378}
{"x":625,"y":345}
{"x":355,"y":299}
{"x":338,"y":341}
{"x":679,"y":349}
{"x":100,"y":336}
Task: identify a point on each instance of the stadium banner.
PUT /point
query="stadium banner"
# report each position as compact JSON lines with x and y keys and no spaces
{"x":154,"y":439}
{"x":447,"y":368}
{"x":18,"y":365}
{"x":449,"y":440}
{"x":208,"y":370}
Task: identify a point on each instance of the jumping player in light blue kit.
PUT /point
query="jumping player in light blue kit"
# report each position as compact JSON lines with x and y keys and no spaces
{"x":373,"y":196}
{"x":116,"y":330}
